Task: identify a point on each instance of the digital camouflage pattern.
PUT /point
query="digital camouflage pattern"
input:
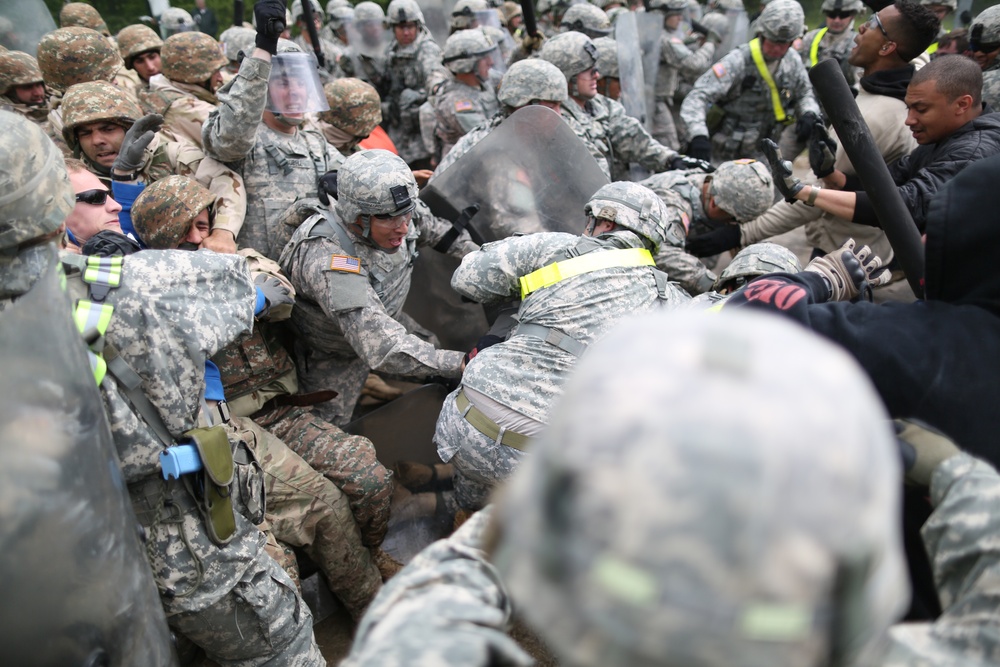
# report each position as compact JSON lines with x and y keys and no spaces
{"x":332,"y":53}
{"x":163,"y":213}
{"x":989,"y":19}
{"x":781,"y":21}
{"x":742,"y":188}
{"x":355,"y":107}
{"x":757,"y":260}
{"x":136,"y":39}
{"x":463,"y":14}
{"x":236,"y":39}
{"x":677,"y":60}
{"x":83,"y":15}
{"x":277,"y":169}
{"x":571,"y":52}
{"x":68,"y":56}
{"x":529,"y":80}
{"x":586,"y":18}
{"x":687,"y":270}
{"x":463,"y":50}
{"x":633,"y":207}
{"x":607,"y":57}
{"x":459,"y":108}
{"x":468,"y":141}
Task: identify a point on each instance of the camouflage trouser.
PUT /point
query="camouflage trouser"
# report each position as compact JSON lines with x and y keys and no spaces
{"x":664,"y":128}
{"x":480,"y":462}
{"x":348,"y":461}
{"x":304,"y":509}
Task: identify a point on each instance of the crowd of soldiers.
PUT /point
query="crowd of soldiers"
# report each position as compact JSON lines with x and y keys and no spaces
{"x":670,"y":443}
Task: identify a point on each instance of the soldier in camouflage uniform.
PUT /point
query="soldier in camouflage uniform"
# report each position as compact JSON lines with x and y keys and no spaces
{"x":355,"y":110}
{"x":466,"y":99}
{"x":984,"y":43}
{"x":184,"y":95}
{"x":588,"y":19}
{"x":412,"y":69}
{"x":751,"y":106}
{"x":304,"y":509}
{"x":589,"y":560}
{"x":22,"y":88}
{"x":508,"y":389}
{"x":463,"y":15}
{"x":351,"y":267}
{"x":331,"y":52}
{"x":618,"y":138}
{"x":280,"y":161}
{"x":139,"y":46}
{"x":835,"y":39}
{"x":366,"y":60}
{"x":233,"y":41}
{"x":98,"y":117}
{"x":676,"y":60}
{"x":84,"y":16}
{"x":752,"y":262}
{"x":175,"y":20}
{"x":335,"y":30}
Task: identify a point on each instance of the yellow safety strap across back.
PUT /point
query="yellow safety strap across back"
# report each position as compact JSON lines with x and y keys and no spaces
{"x":593,"y":261}
{"x":814,"y":47}
{"x":758,"y":60}
{"x":93,"y":317}
{"x":932,"y":48}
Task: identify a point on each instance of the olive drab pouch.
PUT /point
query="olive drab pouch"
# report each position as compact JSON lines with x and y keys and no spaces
{"x":210,"y":486}
{"x":248,"y":486}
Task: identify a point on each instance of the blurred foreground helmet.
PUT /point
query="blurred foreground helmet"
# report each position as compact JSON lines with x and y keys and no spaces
{"x":355,"y":106}
{"x":83,"y":15}
{"x":529,"y":80}
{"x":668,"y":6}
{"x":950,"y":4}
{"x":571,"y":52}
{"x":743,"y":188}
{"x":404,"y":11}
{"x":162,"y":214}
{"x":632,"y":206}
{"x":754,"y":261}
{"x":842,"y":6}
{"x":191,"y":57}
{"x":368,"y":11}
{"x":174,"y":20}
{"x":333,"y":4}
{"x":586,"y":18}
{"x":136,"y":39}
{"x":781,"y":21}
{"x":339,"y":16}
{"x":374,"y":182}
{"x":17,"y":69}
{"x":68,"y":56}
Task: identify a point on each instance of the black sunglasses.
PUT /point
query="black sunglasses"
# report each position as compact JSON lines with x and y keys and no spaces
{"x":839,"y":14}
{"x":93,"y":197}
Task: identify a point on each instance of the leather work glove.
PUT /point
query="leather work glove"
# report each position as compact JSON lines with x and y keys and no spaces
{"x":270,"y":18}
{"x":274,"y":291}
{"x":822,"y":151}
{"x":687,"y":162}
{"x":132,"y":153}
{"x":923,"y":449}
{"x":700,"y":148}
{"x":532,"y":43}
{"x":804,"y":126}
{"x":712,"y":243}
{"x":849,"y":273}
{"x":781,"y":170}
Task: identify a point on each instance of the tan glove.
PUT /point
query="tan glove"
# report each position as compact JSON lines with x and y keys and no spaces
{"x":849,"y":273}
{"x":923,"y":450}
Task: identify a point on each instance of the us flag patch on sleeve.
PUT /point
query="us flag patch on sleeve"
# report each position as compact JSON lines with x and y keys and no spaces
{"x":719,"y":69}
{"x":345,"y":263}
{"x":463,"y":105}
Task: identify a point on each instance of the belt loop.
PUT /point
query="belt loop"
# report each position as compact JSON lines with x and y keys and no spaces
{"x":500,"y":434}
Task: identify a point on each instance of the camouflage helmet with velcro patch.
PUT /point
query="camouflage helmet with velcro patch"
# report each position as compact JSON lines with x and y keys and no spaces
{"x":35,"y":192}
{"x":572,"y":52}
{"x":463,"y":14}
{"x":68,"y":56}
{"x":854,"y":6}
{"x":355,"y":106}
{"x":136,"y":39}
{"x":93,"y":102}
{"x":631,"y":206}
{"x":339,"y":16}
{"x":191,"y":57}
{"x":162,"y":214}
{"x":464,"y":49}
{"x":403,"y":11}
{"x":952,"y":5}
{"x":236,"y":39}
{"x":18,"y":69}
{"x":743,"y":188}
{"x":985,"y":28}
{"x":607,"y":57}
{"x":298,"y":14}
{"x":368,"y":11}
{"x":757,"y":260}
{"x":781,"y":21}
{"x":668,"y":6}
{"x":586,"y":18}
{"x":83,"y":15}
{"x":529,"y":80}
{"x":174,"y":20}
{"x":374,"y":182}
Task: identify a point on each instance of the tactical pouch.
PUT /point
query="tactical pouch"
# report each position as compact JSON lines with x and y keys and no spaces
{"x":210,"y":486}
{"x":713,"y":118}
{"x":249,"y":497}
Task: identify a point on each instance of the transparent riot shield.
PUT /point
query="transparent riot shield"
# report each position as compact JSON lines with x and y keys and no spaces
{"x":636,"y":98}
{"x":22,"y":24}
{"x":650,"y":28}
{"x":437,"y":18}
{"x":737,"y":33}
{"x":74,"y":580}
{"x":368,"y":37}
{"x":530,"y":174}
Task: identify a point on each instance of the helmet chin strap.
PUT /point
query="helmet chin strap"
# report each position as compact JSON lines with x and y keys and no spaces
{"x":290,"y":122}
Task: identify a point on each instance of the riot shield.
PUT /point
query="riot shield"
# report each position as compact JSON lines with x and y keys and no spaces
{"x":437,"y":18}
{"x":75,"y":583}
{"x":403,"y":429}
{"x":368,"y":37}
{"x":739,"y":24}
{"x":22,"y":24}
{"x":636,"y":98}
{"x":650,"y":28}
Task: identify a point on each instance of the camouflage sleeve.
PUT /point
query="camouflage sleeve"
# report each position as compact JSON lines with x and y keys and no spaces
{"x":778,"y":219}
{"x":802,"y":90}
{"x":686,"y":269}
{"x":687,"y":62}
{"x":491,"y":274}
{"x":223,"y":182}
{"x":632,"y":143}
{"x":961,"y":540}
{"x":806,"y":45}
{"x":431,"y":69}
{"x":432,"y":228}
{"x":446,"y":607}
{"x":711,"y":87}
{"x":185,"y":118}
{"x":229,"y":133}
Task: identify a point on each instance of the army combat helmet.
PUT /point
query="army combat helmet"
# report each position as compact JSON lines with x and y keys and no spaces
{"x":83,"y":15}
{"x":781,"y":21}
{"x":529,"y":81}
{"x":586,"y":18}
{"x":463,"y":14}
{"x":191,"y":57}
{"x":374,"y":183}
{"x":162,"y":214}
{"x":17,"y":69}
{"x":69,"y":56}
{"x":743,"y":188}
{"x":92,"y":102}
{"x":572,"y":52}
{"x":754,"y":261}
{"x":134,"y":40}
{"x":174,"y":20}
{"x":355,"y":107}
{"x":631,"y":206}
{"x":984,"y":34}
{"x":465,"y":48}
{"x":607,"y":57}
{"x":851,"y":6}
{"x":404,"y":11}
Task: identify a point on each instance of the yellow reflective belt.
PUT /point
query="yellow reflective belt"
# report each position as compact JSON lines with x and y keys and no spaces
{"x":106,"y":270}
{"x":932,"y":48}
{"x":94,"y":316}
{"x":814,"y":48}
{"x":594,"y":261}
{"x":758,"y":59}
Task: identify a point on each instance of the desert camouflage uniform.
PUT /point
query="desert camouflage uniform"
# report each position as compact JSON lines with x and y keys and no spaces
{"x":835,"y":46}
{"x":409,"y":73}
{"x":277,"y":169}
{"x":350,"y":323}
{"x":171,"y":311}
{"x":676,"y":61}
{"x":184,"y":106}
{"x":734,"y":84}
{"x":459,"y":109}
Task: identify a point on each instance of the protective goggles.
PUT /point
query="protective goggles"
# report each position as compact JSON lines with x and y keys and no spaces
{"x":839,"y":14}
{"x":93,"y":197}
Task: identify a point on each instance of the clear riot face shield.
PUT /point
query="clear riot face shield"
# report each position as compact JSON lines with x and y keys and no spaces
{"x":23,"y":23}
{"x":368,"y":37}
{"x":294,"y":87}
{"x":636,"y":97}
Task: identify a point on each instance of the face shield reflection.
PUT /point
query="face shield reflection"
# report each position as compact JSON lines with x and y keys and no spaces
{"x":294,"y":86}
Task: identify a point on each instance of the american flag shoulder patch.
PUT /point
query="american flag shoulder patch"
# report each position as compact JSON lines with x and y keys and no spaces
{"x":345,"y":263}
{"x":463,"y":105}
{"x":719,"y":69}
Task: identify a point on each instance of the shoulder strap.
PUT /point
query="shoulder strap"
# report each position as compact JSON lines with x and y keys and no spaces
{"x":765,"y":73}
{"x":814,"y":47}
{"x":555,"y":272}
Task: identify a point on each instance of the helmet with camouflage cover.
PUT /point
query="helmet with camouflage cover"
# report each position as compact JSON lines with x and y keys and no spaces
{"x":403,"y":11}
{"x":297,"y":13}
{"x":191,"y":57}
{"x":163,"y":213}
{"x":374,"y":182}
{"x":96,"y":101}
{"x":854,"y":6}
{"x":83,"y":15}
{"x":952,"y":5}
{"x":333,"y":4}
{"x":586,"y":18}
{"x":717,"y":22}
{"x":571,"y":52}
{"x":668,"y":6}
{"x":733,"y":539}
{"x":237,"y":39}
{"x":69,"y":56}
{"x":368,"y":11}
{"x":338,"y":16}
{"x":743,"y":188}
{"x":464,"y":49}
{"x":529,"y":80}
{"x":607,"y":57}
{"x":463,"y":14}
{"x":985,"y":28}
{"x":602,"y":4}
{"x":17,"y":69}
{"x":781,"y":21}
{"x":510,"y":10}
{"x":174,"y":20}
{"x":631,"y":206}
{"x":756,"y":260}
{"x":729,"y":5}
{"x":35,"y":192}
{"x":136,"y":39}
{"x":355,"y":106}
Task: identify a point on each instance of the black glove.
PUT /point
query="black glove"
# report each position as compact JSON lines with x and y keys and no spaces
{"x":132,"y":153}
{"x":275,"y":293}
{"x":270,"y":18}
{"x":709,"y":34}
{"x":327,"y":189}
{"x":686,"y":162}
{"x":822,"y":151}
{"x":698,"y":28}
{"x":804,"y":126}
{"x":489,"y":340}
{"x":700,"y":148}
{"x":712,"y":243}
{"x":108,"y":243}
{"x":781,"y":170}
